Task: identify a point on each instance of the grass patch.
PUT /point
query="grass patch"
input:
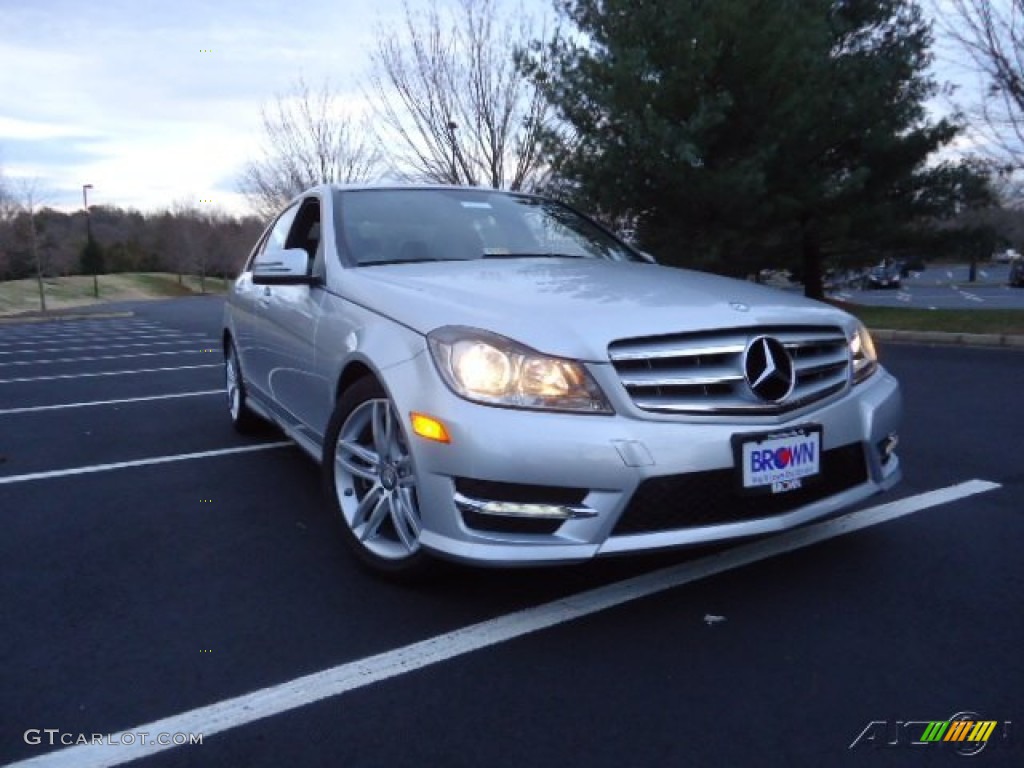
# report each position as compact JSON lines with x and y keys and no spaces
{"x":1008,"y":321}
{"x":77,"y":290}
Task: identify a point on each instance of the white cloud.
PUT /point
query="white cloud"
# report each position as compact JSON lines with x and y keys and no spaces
{"x":168,"y":94}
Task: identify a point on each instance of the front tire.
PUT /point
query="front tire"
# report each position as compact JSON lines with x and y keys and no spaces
{"x":371,"y":483}
{"x":242,"y":418}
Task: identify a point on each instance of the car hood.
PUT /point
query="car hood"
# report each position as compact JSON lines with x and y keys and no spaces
{"x":572,"y":307}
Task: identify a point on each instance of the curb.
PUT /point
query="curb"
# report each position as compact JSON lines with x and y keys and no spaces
{"x":1006,"y":340}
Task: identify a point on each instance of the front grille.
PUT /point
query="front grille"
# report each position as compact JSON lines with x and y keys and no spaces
{"x":702,"y":373}
{"x":711,"y":498}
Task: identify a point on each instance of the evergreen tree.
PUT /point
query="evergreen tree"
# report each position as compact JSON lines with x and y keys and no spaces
{"x":92,"y":258}
{"x":742,"y":133}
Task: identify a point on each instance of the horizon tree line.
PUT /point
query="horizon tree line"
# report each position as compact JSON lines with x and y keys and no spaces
{"x":727,"y":136}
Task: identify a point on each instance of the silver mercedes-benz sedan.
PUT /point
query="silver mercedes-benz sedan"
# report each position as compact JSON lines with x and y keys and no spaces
{"x":492,"y":377}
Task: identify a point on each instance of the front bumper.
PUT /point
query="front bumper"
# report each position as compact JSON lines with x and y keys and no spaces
{"x":607,"y":459}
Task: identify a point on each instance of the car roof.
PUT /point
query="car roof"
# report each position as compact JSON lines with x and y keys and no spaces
{"x":404,"y":186}
{"x":398,"y":186}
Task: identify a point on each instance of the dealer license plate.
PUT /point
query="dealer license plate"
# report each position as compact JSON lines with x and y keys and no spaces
{"x":780,"y":461}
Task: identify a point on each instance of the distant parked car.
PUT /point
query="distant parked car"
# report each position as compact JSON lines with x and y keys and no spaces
{"x":911,"y":264}
{"x":884,"y":276}
{"x":1005,"y":257}
{"x":1016,"y":277}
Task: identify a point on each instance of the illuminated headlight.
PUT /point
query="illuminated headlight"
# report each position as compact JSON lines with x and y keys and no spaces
{"x":491,"y":369}
{"x":862,"y":354}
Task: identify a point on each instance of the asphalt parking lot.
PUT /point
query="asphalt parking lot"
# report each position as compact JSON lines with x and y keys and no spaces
{"x":164,"y":576}
{"x":944,"y":287}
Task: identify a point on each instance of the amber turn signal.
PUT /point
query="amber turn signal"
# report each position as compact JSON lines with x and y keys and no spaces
{"x":429,"y":427}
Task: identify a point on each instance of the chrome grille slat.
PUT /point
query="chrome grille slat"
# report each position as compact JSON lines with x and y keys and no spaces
{"x":702,"y":373}
{"x":671,"y":352}
{"x":811,"y":392}
{"x":678,"y":377}
{"x":810,"y":367}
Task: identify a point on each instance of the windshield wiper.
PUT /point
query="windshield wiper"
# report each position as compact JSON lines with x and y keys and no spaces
{"x":537,"y":255}
{"x":399,"y":261}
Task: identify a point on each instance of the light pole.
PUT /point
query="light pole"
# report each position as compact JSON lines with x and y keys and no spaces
{"x":452,"y":126}
{"x":90,"y":247}
{"x":85,"y":205}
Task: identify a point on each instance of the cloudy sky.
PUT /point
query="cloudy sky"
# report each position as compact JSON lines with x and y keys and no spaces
{"x":153,"y":101}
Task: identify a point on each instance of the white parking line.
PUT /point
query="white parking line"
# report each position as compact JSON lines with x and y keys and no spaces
{"x":274,"y":700}
{"x":140,"y":463}
{"x":208,"y":343}
{"x":93,"y":334}
{"x":971,"y":296}
{"x":106,"y":373}
{"x":90,"y":324}
{"x":104,"y":337}
{"x":61,"y":406}
{"x":70,"y":330}
{"x":68,"y":333}
{"x":101,"y":322}
{"x":54,"y":361}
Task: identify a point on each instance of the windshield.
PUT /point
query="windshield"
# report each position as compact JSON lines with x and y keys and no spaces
{"x":388,"y":226}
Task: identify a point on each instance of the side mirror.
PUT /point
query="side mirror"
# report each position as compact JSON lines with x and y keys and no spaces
{"x":287,"y":267}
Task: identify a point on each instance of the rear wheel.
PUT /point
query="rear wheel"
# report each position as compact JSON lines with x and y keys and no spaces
{"x":242,"y":418}
{"x":371,"y":483}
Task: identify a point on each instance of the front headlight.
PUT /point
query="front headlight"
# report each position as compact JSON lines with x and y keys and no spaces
{"x":862,"y":354}
{"x":487,"y":368}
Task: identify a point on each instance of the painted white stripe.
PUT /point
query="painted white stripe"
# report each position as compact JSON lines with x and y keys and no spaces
{"x":92,"y":334}
{"x":94,"y":358}
{"x":104,"y":337}
{"x":206,"y":343}
{"x":54,"y":322}
{"x":266,"y":702}
{"x":81,"y":321}
{"x":92,"y":330}
{"x":106,"y":373}
{"x":61,"y":406}
{"x":36,"y":332}
{"x":89,"y":327}
{"x":140,"y":463}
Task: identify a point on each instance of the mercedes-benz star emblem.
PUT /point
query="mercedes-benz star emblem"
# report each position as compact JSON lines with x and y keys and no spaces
{"x":768,"y":369}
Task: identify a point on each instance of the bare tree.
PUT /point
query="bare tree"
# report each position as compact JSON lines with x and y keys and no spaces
{"x":29,"y":198}
{"x":7,"y":204}
{"x":8,"y":210}
{"x":308,"y":139}
{"x":991,"y":34}
{"x":448,"y":93}
{"x":187,"y":236}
